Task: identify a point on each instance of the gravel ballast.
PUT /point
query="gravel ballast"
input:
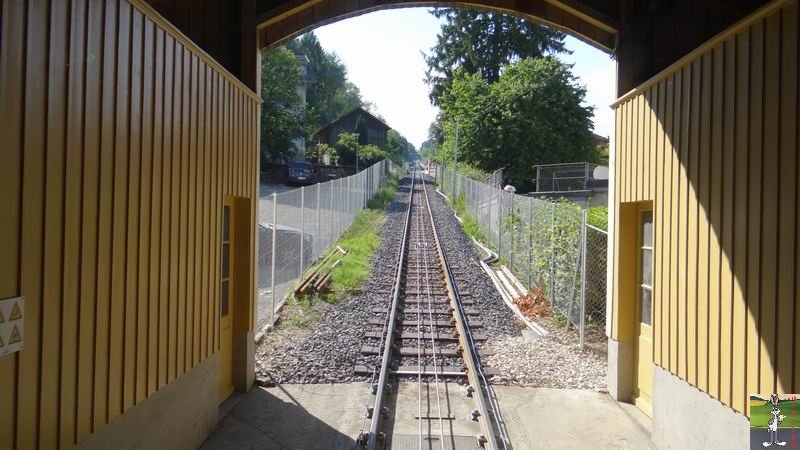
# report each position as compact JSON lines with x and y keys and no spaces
{"x":327,"y":349}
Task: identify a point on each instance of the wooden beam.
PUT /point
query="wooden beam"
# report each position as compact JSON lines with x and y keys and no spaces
{"x":280,"y":24}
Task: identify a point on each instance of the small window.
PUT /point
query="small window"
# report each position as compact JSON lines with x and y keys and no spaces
{"x":647,"y":306}
{"x":226,"y":223}
{"x":226,"y":259}
{"x":223,"y":304}
{"x":646,"y":267}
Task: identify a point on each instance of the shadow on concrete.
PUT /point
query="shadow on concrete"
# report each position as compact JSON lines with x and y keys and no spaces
{"x":262,"y":420}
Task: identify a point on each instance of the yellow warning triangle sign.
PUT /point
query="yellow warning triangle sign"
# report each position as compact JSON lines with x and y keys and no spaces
{"x":15,"y":337}
{"x":15,"y":314}
{"x":2,"y":319}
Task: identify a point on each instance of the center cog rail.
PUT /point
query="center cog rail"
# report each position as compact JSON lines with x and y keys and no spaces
{"x":437,"y":332}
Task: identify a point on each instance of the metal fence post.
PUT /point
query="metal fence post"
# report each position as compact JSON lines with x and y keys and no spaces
{"x":317,"y":251}
{"x":513,"y":226}
{"x":302,"y":228}
{"x":500,"y":223}
{"x":582,"y":330}
{"x":330,"y":215}
{"x":553,"y":253}
{"x":274,"y":236}
{"x":530,"y":242}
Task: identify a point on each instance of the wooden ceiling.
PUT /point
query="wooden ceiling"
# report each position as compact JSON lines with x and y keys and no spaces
{"x":594,"y":21}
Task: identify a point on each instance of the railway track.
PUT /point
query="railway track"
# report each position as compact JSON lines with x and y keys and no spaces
{"x":428,"y":390}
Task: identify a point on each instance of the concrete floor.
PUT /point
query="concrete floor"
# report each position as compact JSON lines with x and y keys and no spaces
{"x":329,"y":416}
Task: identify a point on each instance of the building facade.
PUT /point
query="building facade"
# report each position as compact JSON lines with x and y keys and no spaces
{"x":129,"y":176}
{"x":370,"y":129}
{"x":705,"y":299}
{"x":129,"y":171}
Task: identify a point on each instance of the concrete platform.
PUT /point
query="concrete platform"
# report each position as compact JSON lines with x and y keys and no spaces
{"x":329,"y":416}
{"x":538,"y":418}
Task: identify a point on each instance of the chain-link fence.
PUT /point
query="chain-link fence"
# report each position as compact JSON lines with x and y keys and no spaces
{"x":297,"y":226}
{"x":564,"y":177}
{"x":545,"y":243}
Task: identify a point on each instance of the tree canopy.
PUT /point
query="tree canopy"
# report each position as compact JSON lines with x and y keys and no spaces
{"x":330,"y":93}
{"x":532,"y":115}
{"x":282,"y":110}
{"x":482,"y":42}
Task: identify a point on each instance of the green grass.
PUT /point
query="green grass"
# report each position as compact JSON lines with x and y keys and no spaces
{"x":470,"y":225}
{"x":361,"y":241}
{"x":760,"y":415}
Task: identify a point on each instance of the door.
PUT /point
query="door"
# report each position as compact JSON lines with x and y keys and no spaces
{"x":643,"y":388}
{"x":226,"y":303}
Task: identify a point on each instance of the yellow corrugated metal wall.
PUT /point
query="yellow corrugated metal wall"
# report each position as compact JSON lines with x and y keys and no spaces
{"x":119,"y":139}
{"x":713,"y":143}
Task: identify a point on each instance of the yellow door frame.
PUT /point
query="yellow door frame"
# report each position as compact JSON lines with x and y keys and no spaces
{"x":643,"y":332}
{"x":227,"y":308}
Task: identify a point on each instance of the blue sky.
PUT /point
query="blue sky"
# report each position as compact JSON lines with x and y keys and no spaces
{"x":382,"y":52}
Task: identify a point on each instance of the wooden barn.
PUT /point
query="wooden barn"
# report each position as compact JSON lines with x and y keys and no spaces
{"x":370,"y":129}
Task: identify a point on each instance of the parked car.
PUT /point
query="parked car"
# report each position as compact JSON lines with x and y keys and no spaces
{"x":287,"y":258}
{"x":301,"y":173}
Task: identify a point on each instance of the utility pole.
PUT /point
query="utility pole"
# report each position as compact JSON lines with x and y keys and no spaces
{"x":358,"y":144}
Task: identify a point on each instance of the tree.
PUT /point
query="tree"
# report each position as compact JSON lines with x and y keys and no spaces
{"x":347,"y":147}
{"x":532,"y":115}
{"x":482,"y":42}
{"x":329,"y":94}
{"x":283,"y":117}
{"x":370,"y":154}
{"x":397,"y":146}
{"x":317,"y":152}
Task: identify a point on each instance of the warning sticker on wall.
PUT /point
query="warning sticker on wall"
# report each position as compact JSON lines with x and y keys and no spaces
{"x":12,"y":325}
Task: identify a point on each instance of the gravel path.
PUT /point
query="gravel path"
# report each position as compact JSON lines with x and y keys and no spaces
{"x":327,"y":350}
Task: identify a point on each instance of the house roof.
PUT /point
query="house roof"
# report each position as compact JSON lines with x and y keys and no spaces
{"x":354,"y":110}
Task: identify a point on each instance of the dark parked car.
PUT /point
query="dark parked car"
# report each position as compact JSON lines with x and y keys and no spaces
{"x":287,"y":258}
{"x":301,"y":173}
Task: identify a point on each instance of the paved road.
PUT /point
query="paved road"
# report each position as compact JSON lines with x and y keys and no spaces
{"x":760,"y":435}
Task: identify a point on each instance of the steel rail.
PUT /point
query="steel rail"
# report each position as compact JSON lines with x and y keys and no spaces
{"x":469,"y":352}
{"x":377,"y":411}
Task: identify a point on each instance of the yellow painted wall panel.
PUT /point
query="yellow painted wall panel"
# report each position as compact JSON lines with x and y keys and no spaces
{"x":754,"y":205}
{"x":693,"y":159}
{"x":784,"y":323}
{"x":143,"y":317}
{"x":769,"y":203}
{"x":75,"y":142}
{"x":112,"y":150}
{"x":132,"y":228}
{"x":740,"y":398}
{"x":55,"y":218}
{"x":11,"y":108}
{"x":116,"y":381}
{"x":683,"y":217}
{"x":105,"y":220}
{"x":659,"y":342}
{"x":715,"y":215}
{"x":704,"y":227}
{"x":156,"y":342}
{"x":726,"y":242}
{"x":717,"y":138}
{"x":673,"y":123}
{"x":89,"y":223}
{"x":32,"y":238}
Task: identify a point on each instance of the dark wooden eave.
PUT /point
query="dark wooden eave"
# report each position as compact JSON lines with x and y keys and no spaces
{"x":594,"y":22}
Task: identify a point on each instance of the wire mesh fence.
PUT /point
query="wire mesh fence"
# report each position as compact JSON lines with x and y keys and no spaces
{"x":297,"y":226}
{"x":545,"y":243}
{"x":564,"y":177}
